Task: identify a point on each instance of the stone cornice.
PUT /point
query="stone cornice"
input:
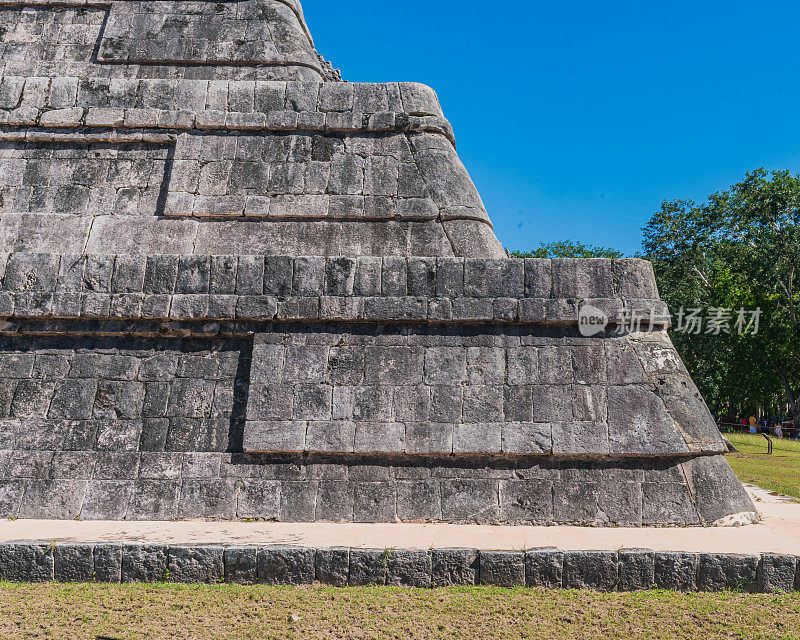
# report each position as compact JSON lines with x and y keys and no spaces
{"x":315,"y":288}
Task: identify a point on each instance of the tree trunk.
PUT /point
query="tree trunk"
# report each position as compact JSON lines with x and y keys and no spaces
{"x":794,"y":405}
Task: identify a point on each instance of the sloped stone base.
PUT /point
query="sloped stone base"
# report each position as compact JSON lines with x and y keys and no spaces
{"x":141,"y":485}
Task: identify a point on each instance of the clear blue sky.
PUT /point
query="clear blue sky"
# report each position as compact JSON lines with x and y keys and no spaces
{"x":576,"y":119}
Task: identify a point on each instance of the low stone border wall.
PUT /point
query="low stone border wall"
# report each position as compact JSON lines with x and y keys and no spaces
{"x":625,"y":570}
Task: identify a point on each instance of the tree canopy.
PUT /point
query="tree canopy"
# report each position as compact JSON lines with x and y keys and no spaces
{"x":568,"y":249}
{"x":739,"y":249}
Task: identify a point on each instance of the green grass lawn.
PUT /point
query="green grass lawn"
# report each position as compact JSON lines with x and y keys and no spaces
{"x":227,"y":612}
{"x":778,"y":472}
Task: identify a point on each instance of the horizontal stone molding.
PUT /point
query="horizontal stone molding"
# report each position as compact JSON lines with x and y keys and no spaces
{"x":338,"y":309}
{"x":44,"y":93}
{"x":194,"y":287}
{"x":221,"y":105}
{"x":388,"y":122}
{"x":107,"y":136}
{"x":624,"y":570}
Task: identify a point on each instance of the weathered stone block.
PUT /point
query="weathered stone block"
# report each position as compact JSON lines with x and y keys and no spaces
{"x":538,"y":278}
{"x":108,"y":562}
{"x":367,"y":279}
{"x":676,"y":570}
{"x":374,"y":501}
{"x":717,"y":492}
{"x":394,"y":276}
{"x":334,"y":501}
{"x":259,"y":499}
{"x":128,"y":274}
{"x":454,"y":567}
{"x":544,"y":568}
{"x":590,"y":570}
{"x":332,"y":566}
{"x":26,"y":562}
{"x":207,"y":498}
{"x":722,"y":572}
{"x":638,"y":423}
{"x":144,"y":563}
{"x":667,"y":502}
{"x":450,"y":277}
{"x":636,"y":569}
{"x":526,"y":501}
{"x":409,"y":568}
{"x":31,"y":272}
{"x":196,"y":564}
{"x":621,"y":502}
{"x":470,"y":501}
{"x":278,"y":271}
{"x":340,"y":276}
{"x":161,"y":273}
{"x":250,"y":276}
{"x":73,"y":562}
{"x":418,"y":500}
{"x":193,"y":274}
{"x":241,"y":565}
{"x":309,"y":276}
{"x":528,"y":437}
{"x":285,"y":565}
{"x":582,"y":278}
{"x":59,"y":499}
{"x":575,"y":502}
{"x":502,"y":568}
{"x":368,"y":567}
{"x":421,"y":280}
{"x":776,"y":572}
{"x":797,"y":577}
{"x":298,"y":501}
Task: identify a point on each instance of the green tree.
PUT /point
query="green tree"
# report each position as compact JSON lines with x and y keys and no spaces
{"x":740,"y":249}
{"x":568,"y":249}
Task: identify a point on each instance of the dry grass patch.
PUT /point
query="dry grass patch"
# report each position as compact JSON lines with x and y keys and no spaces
{"x":93,"y":611}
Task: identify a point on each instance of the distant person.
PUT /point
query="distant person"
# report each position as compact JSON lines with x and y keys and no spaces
{"x":753,"y":425}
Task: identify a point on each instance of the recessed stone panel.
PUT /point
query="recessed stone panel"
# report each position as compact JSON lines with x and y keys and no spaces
{"x":422,"y":389}
{"x":84,"y":178}
{"x":267,"y":39}
{"x":301,"y":175}
{"x":73,"y":394}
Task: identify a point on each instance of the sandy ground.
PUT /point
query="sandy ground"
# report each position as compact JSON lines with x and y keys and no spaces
{"x":779,"y":532}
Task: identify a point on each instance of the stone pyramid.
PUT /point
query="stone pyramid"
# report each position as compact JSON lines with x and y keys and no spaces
{"x":234,"y":286}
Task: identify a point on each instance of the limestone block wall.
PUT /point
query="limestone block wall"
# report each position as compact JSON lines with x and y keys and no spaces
{"x":238,"y":39}
{"x":331,"y":389}
{"x":475,"y":389}
{"x":275,"y":168}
